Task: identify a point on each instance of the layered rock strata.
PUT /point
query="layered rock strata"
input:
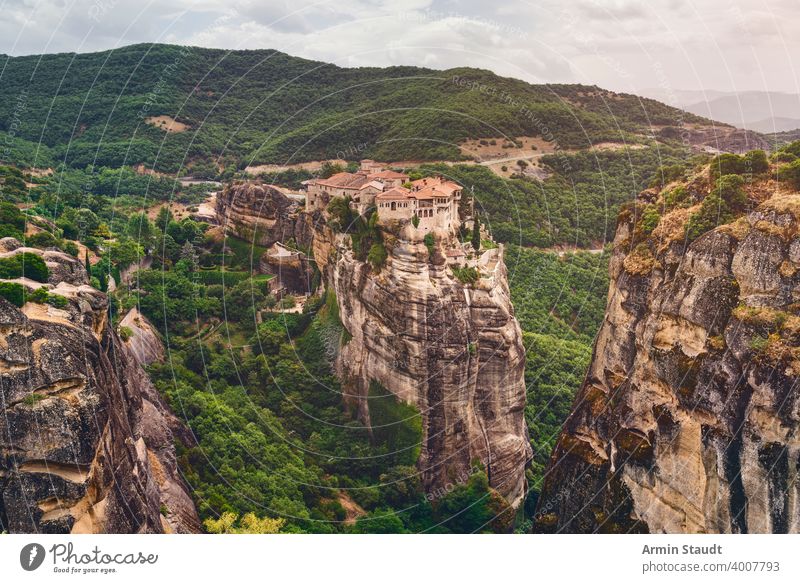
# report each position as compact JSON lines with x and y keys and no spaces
{"x":688,"y":418}
{"x":452,"y":350}
{"x":86,"y":443}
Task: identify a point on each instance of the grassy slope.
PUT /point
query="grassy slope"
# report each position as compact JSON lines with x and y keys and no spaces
{"x":267,"y":106}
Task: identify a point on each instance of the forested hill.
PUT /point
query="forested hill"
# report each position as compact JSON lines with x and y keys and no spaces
{"x":243,"y":107}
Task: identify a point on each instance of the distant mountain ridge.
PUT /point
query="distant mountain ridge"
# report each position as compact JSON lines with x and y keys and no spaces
{"x":760,"y":111}
{"x":165,"y":106}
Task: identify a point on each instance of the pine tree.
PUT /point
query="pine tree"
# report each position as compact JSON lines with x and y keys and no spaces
{"x":476,"y":234}
{"x":190,"y":255}
{"x":87,"y":263}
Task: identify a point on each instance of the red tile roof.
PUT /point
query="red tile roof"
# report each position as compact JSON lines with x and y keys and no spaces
{"x":389,"y":175}
{"x":344,"y":180}
{"x":396,"y":193}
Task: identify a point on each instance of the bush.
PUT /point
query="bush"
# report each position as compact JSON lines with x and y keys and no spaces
{"x":756,"y":162}
{"x":12,"y":216}
{"x":430,"y":243}
{"x":790,"y":174}
{"x":721,"y":206}
{"x":24,"y":264}
{"x":42,"y":240}
{"x":57,"y":301}
{"x":729,"y":188}
{"x":377,"y":255}
{"x":649,"y":220}
{"x":677,"y":197}
{"x":666,"y":174}
{"x":10,"y":231}
{"x":13,"y":292}
{"x":779,"y":157}
{"x":70,"y":248}
{"x":753,"y":162}
{"x":793,"y":148}
{"x":287,"y":303}
{"x":467,"y":275}
{"x":42,"y":296}
{"x":125,"y":333}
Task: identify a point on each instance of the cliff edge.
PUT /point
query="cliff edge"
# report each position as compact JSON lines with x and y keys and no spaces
{"x":86,"y":443}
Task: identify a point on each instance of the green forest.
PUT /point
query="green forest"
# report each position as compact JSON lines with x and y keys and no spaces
{"x":275,"y":448}
{"x":273,"y":439}
{"x":248,"y":107}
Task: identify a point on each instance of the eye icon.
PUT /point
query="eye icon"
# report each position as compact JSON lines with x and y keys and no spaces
{"x":31,"y":556}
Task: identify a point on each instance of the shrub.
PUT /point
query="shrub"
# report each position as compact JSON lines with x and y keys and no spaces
{"x":38,"y":296}
{"x":666,"y":174}
{"x":70,"y":248}
{"x":10,"y":215}
{"x":42,"y":240}
{"x":756,"y":162}
{"x":33,"y":398}
{"x":791,"y":174}
{"x":721,"y":206}
{"x":467,"y":275}
{"x":726,"y":164}
{"x":430,"y":243}
{"x":713,"y":212}
{"x":649,"y":220}
{"x":781,"y":156}
{"x":57,"y":301}
{"x":729,"y":188}
{"x":287,"y":303}
{"x":677,"y":197}
{"x":10,"y":231}
{"x":377,"y":255}
{"x":24,"y":264}
{"x":125,"y":333}
{"x":13,"y":292}
{"x":793,"y":148}
{"x":753,"y":162}
{"x":42,"y":296}
{"x":415,"y":220}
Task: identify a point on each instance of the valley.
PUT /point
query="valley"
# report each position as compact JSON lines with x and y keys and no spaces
{"x":366,"y":301}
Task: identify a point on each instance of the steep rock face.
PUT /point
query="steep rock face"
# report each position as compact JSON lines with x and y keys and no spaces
{"x":144,"y":343}
{"x":719,"y":138}
{"x":453,"y":351}
{"x":688,"y":418}
{"x":86,"y":443}
{"x":257,"y":213}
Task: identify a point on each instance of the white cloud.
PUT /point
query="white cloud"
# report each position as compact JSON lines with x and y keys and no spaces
{"x":619,"y":44}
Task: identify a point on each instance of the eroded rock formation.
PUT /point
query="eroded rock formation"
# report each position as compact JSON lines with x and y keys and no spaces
{"x":257,"y":213}
{"x":144,"y":342}
{"x":86,"y":443}
{"x":452,"y":350}
{"x":688,"y":418}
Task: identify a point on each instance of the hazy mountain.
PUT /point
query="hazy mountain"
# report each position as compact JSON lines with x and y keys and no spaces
{"x":760,"y":111}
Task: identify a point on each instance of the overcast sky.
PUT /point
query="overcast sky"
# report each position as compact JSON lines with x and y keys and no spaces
{"x":625,"y":45}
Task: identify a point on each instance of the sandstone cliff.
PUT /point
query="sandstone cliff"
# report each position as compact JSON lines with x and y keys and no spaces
{"x":87,"y":444}
{"x":258,"y":213}
{"x":452,"y":350}
{"x":688,"y":418}
{"x":144,"y":342}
